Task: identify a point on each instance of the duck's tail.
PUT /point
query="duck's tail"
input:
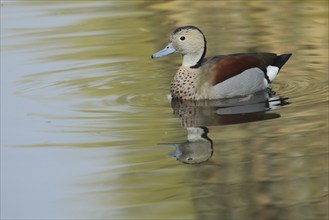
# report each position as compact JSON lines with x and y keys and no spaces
{"x":281,"y":60}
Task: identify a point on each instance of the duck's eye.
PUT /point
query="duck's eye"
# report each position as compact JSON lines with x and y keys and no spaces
{"x":182,"y":38}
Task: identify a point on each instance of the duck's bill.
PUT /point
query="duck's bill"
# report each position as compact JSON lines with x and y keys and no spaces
{"x":169,"y":49}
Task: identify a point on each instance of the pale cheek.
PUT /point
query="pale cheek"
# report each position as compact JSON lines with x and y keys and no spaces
{"x":193,"y":47}
{"x":176,"y":45}
{"x":180,"y":49}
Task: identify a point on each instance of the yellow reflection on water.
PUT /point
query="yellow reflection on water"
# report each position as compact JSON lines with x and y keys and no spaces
{"x":78,"y":76}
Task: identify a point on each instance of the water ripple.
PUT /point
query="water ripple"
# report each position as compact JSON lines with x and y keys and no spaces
{"x":304,"y":89}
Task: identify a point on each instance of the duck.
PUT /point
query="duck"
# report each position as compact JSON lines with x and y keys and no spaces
{"x":221,"y":76}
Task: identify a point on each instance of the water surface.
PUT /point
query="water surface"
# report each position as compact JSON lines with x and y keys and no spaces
{"x":85,"y":114}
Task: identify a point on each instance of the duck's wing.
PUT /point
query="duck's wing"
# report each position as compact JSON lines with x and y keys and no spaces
{"x":224,"y":67}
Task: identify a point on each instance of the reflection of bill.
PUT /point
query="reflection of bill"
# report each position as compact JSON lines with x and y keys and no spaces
{"x":198,"y":147}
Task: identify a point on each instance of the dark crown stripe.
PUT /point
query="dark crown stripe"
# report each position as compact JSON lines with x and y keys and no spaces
{"x":186,"y":27}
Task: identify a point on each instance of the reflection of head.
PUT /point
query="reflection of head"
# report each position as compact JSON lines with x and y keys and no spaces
{"x":198,"y":147}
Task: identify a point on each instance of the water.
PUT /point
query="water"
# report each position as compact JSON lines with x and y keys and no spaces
{"x":86,"y":122}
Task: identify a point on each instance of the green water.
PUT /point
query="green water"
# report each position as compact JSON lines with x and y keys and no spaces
{"x":84,"y":113}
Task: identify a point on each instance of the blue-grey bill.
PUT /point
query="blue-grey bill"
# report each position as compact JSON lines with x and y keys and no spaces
{"x":169,"y":49}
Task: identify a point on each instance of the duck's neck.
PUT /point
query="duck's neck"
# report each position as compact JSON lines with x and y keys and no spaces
{"x":194,"y":60}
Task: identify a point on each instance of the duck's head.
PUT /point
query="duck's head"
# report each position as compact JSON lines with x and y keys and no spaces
{"x":188,"y":41}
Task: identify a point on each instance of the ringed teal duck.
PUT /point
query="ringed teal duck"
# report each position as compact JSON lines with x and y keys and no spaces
{"x":222,"y":76}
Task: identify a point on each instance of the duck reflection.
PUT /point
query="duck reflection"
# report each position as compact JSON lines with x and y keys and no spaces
{"x":197,"y":115}
{"x":198,"y":147}
{"x":227,"y":111}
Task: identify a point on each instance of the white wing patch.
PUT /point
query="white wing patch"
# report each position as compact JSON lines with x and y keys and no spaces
{"x":272,"y":72}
